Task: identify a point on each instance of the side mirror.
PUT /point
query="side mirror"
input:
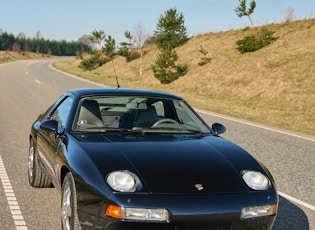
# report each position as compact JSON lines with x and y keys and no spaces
{"x":50,"y":125}
{"x":218,"y":128}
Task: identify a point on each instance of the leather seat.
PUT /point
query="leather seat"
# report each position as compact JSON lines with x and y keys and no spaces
{"x":90,"y":114}
{"x":145,"y":117}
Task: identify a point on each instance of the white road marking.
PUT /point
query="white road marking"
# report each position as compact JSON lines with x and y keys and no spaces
{"x":297,"y":201}
{"x":37,"y":81}
{"x":76,"y":77}
{"x":13,"y":204}
{"x":288,"y":197}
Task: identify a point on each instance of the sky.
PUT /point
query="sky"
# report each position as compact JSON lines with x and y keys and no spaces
{"x":70,"y":19}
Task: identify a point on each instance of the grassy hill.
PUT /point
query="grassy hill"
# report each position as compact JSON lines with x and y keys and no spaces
{"x":275,"y":85}
{"x":8,"y":56}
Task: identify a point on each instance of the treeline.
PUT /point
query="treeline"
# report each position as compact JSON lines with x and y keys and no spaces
{"x":40,"y":45}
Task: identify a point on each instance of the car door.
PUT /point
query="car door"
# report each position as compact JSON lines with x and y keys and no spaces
{"x":48,"y":144}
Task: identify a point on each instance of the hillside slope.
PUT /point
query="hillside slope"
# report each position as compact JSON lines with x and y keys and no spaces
{"x":8,"y":56}
{"x":275,"y":85}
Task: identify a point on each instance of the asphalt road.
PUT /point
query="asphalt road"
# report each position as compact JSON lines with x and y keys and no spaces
{"x":28,"y":87}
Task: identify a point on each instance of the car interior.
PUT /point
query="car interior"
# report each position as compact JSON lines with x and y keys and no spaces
{"x":90,"y":114}
{"x":136,"y":115}
{"x":131,"y":113}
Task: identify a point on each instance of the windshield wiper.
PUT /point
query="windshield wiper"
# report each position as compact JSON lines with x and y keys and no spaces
{"x":106,"y":129}
{"x":171,"y":130}
{"x":142,"y":131}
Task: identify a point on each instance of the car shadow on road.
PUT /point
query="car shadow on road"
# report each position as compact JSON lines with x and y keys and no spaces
{"x":290,"y":217}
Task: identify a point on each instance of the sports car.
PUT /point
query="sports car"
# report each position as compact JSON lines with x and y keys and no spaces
{"x":142,"y":159}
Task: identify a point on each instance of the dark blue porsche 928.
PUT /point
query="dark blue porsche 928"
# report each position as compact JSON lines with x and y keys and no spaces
{"x":142,"y":159}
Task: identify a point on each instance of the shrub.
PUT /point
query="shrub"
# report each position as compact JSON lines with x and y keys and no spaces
{"x":204,"y":59}
{"x":255,"y":42}
{"x":165,"y":68}
{"x":132,"y":55}
{"x":128,"y":54}
{"x":93,"y":62}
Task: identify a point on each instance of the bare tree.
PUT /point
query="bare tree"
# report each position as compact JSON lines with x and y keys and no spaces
{"x":85,"y":39}
{"x":27,"y":48}
{"x":21,"y":36}
{"x":289,"y":15}
{"x":38,"y":35}
{"x":140,"y":36}
{"x":16,"y":47}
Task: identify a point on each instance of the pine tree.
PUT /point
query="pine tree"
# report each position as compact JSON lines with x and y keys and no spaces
{"x":165,"y":69}
{"x":242,"y":11}
{"x":171,"y":31}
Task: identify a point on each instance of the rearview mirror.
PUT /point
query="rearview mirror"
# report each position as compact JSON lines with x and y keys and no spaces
{"x":50,"y":125}
{"x":218,"y":128}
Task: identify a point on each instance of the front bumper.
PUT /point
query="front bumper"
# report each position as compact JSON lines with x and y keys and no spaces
{"x":254,"y":224}
{"x":187,"y":211}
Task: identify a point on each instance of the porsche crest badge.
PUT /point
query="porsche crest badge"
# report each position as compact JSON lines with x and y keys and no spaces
{"x":199,"y":187}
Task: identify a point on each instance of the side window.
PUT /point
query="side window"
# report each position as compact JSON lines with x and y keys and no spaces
{"x":159,"y":107}
{"x":61,"y":113}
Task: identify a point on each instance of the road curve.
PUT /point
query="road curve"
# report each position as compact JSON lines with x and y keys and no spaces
{"x":29,"y":87}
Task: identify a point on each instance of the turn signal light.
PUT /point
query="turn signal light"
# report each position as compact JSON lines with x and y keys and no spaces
{"x":113,"y":211}
{"x":138,"y":214}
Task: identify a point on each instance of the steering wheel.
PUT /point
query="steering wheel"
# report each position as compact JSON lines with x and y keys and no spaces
{"x":165,"y":120}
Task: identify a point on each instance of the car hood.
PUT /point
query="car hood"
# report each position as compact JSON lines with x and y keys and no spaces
{"x":170,"y":164}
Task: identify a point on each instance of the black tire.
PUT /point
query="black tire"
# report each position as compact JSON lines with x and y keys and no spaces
{"x":69,"y":213}
{"x":36,"y":177}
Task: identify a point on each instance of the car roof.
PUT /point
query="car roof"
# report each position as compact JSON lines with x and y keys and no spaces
{"x":82,"y":92}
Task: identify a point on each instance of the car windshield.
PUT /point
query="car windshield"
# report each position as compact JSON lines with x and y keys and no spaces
{"x":135,"y":114}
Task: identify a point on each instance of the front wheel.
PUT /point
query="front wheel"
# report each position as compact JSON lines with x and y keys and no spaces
{"x":69,"y":213}
{"x":36,"y":177}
